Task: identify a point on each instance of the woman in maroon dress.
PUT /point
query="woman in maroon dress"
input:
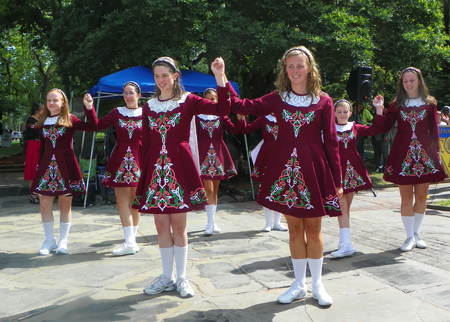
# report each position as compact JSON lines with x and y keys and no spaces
{"x":33,"y":144}
{"x":215,"y":160}
{"x":123,"y":170}
{"x":303,"y":178}
{"x":269,"y":127}
{"x":354,"y":172}
{"x":170,"y":183}
{"x":416,"y":161}
{"x":58,"y":173}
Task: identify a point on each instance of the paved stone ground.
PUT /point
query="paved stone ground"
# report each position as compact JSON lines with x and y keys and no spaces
{"x":237,"y":274}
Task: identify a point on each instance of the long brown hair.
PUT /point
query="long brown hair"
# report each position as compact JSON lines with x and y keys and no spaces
{"x":402,"y":96}
{"x":172,"y":65}
{"x":283,"y":84}
{"x":64,"y":115}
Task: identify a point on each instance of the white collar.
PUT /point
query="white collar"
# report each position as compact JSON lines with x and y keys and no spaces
{"x":299,"y":100}
{"x":206,"y":117}
{"x":51,"y":120}
{"x":271,"y":118}
{"x":345,"y":127}
{"x":130,"y":112}
{"x":414,"y":102}
{"x":157,"y":106}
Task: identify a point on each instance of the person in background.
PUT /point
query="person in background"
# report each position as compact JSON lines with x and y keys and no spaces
{"x":33,"y":145}
{"x":416,"y":160}
{"x":446,"y":115}
{"x":215,"y":160}
{"x":380,"y":144}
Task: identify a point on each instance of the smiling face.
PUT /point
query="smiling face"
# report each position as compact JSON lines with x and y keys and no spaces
{"x":342,"y":113}
{"x":410,"y":82}
{"x":55,"y":102}
{"x":164,"y":79}
{"x":130,"y":96}
{"x":298,"y":69}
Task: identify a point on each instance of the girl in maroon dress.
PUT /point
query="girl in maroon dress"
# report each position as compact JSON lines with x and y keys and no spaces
{"x":354,"y":173}
{"x":58,"y":172}
{"x":416,"y":160}
{"x":124,"y":170}
{"x":170,"y":183}
{"x":33,"y":144}
{"x":303,"y":178}
{"x":269,"y":127}
{"x":215,"y":160}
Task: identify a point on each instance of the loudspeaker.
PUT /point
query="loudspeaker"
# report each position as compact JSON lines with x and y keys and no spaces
{"x":359,"y":85}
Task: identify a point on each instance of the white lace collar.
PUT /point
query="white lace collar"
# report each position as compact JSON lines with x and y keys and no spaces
{"x":345,"y":127}
{"x":157,"y":106}
{"x":299,"y":100}
{"x":414,"y":102}
{"x":51,"y":120}
{"x":130,"y":112}
{"x":271,"y":118}
{"x":206,"y":117}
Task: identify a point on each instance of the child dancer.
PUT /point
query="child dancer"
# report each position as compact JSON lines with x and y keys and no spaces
{"x":354,"y":172}
{"x":58,"y":173}
{"x":416,"y":161}
{"x":123,"y":170}
{"x":268,"y":125}
{"x":303,"y":178}
{"x":215,"y":160}
{"x":170,"y":184}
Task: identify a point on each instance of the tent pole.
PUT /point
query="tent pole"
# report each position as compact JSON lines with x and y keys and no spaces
{"x":249,"y":167}
{"x":90,"y":156}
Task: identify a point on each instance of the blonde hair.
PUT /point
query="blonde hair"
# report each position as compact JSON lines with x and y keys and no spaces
{"x":343,"y":103}
{"x":64,"y":115}
{"x":172,"y":65}
{"x":283,"y":84}
{"x":402,"y":96}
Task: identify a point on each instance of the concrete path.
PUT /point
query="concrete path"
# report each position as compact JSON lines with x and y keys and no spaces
{"x":237,"y":274}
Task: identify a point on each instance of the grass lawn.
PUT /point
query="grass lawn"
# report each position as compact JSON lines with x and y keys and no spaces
{"x":14,"y":149}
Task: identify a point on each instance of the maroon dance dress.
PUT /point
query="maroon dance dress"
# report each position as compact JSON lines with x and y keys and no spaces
{"x":269,"y":127}
{"x":354,"y":172}
{"x":415,"y":151}
{"x":304,"y":169}
{"x":58,"y":172}
{"x":170,"y":181}
{"x":123,"y":169}
{"x":215,"y":159}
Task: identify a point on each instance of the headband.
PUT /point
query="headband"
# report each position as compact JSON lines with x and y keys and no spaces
{"x":410,"y":69}
{"x":343,"y":101}
{"x":62,"y":93}
{"x":163,"y":60}
{"x":209,"y":89}
{"x":136,"y":85}
{"x":299,"y":49}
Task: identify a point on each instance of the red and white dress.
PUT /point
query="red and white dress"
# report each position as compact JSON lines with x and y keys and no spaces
{"x":124,"y":168}
{"x":215,"y":159}
{"x":170,"y":180}
{"x":415,"y":151}
{"x":58,"y":172}
{"x":354,"y":172}
{"x":304,"y":169}
{"x":269,"y":127}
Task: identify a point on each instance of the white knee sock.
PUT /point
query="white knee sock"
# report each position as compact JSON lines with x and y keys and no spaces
{"x":135,"y":230}
{"x":180,"y":260}
{"x":210,"y":212}
{"x":344,"y":236}
{"x":299,"y":266}
{"x":315,"y":267}
{"x":418,"y":221}
{"x":167,"y":261}
{"x":48,"y":230}
{"x":276,"y":218}
{"x":268,"y":215}
{"x":408,"y":222}
{"x":64,"y":228}
{"x":130,"y":239}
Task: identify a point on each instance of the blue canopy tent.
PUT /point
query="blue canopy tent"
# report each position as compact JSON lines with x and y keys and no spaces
{"x":111,"y":86}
